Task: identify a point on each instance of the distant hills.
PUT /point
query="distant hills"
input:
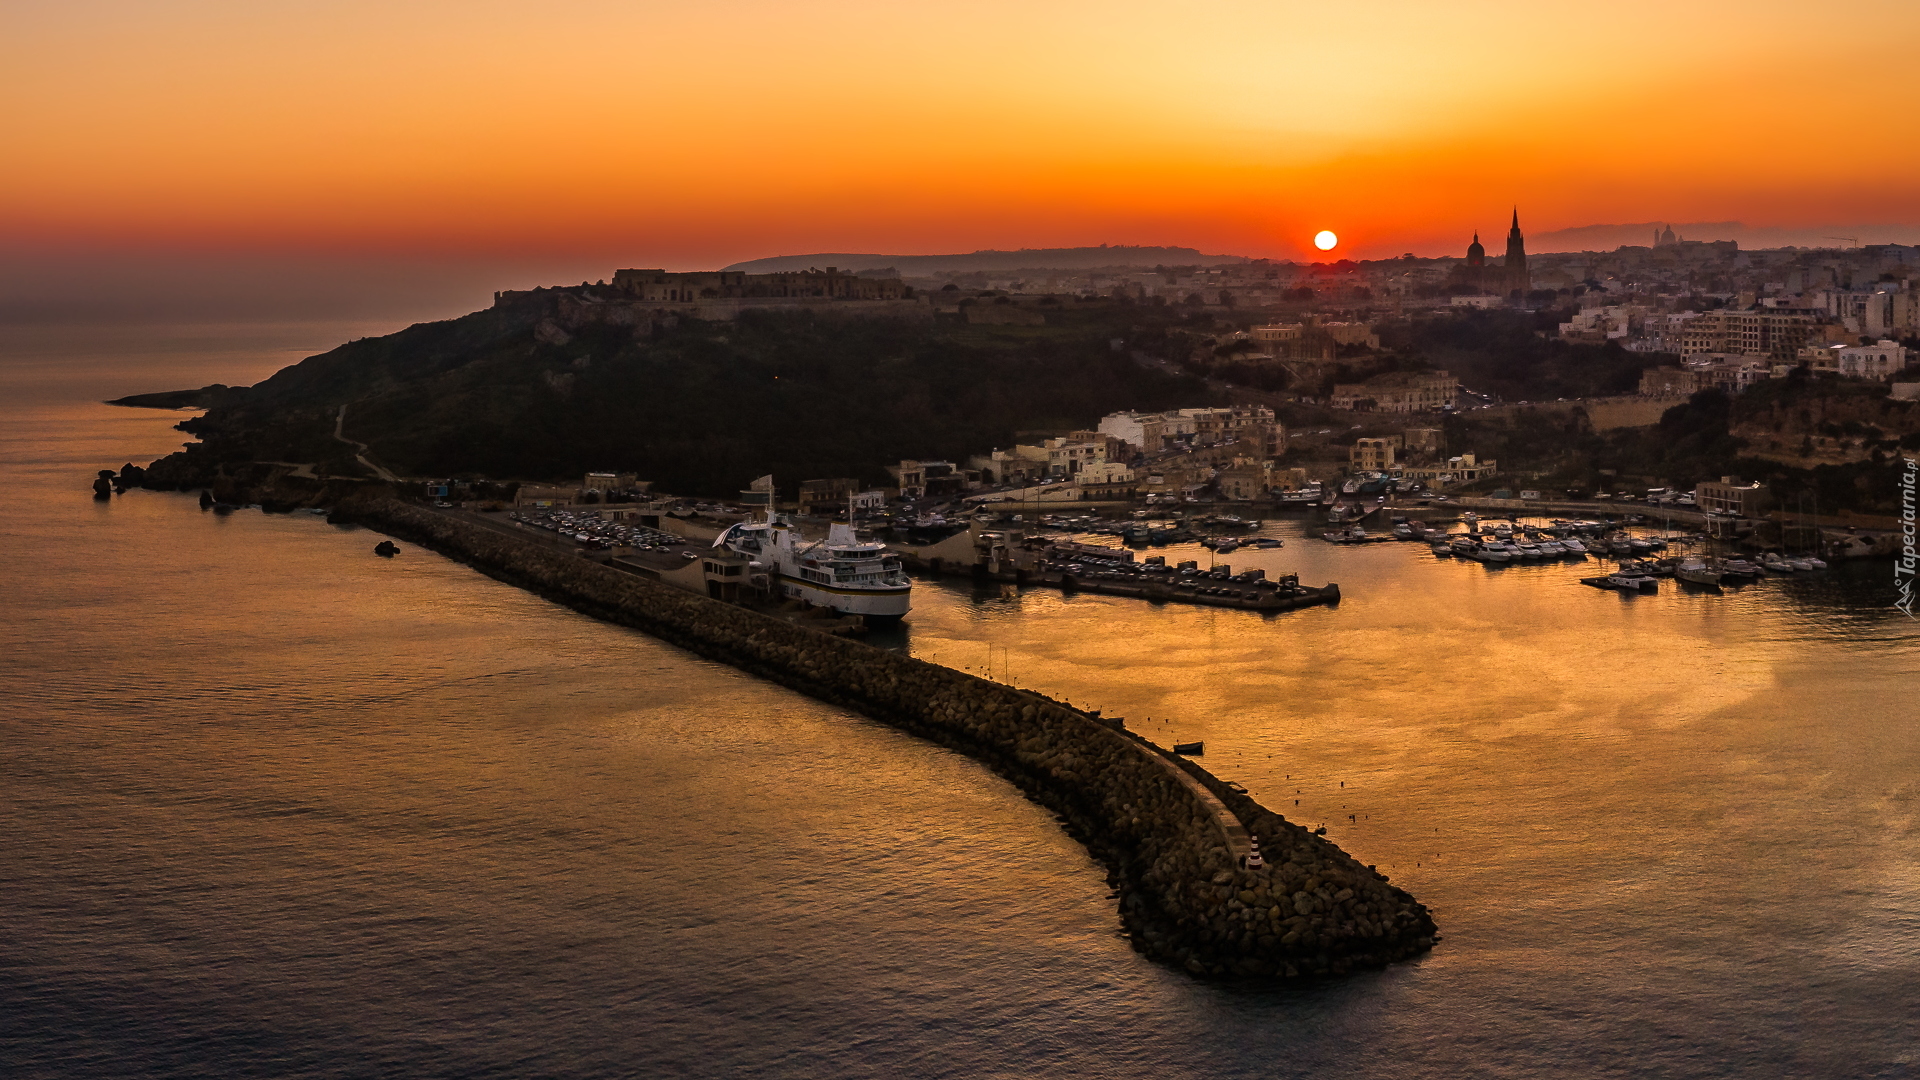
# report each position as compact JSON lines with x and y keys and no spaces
{"x":1079,"y":258}
{"x":1609,"y":237}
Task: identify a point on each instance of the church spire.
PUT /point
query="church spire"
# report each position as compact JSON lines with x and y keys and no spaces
{"x":1516,"y":266}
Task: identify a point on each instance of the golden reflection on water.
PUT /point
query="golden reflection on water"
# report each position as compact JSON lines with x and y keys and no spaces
{"x":1656,"y":830}
{"x":1466,"y":728}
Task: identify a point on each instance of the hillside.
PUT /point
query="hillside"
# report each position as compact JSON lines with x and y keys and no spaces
{"x":1083,"y":258}
{"x":698,"y":407}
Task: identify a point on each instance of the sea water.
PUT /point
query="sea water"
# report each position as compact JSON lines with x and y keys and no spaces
{"x":273,"y":806}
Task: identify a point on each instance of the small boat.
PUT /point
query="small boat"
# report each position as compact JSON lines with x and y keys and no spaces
{"x":1190,"y":749}
{"x":1775,"y":564}
{"x":1444,"y":551}
{"x":1695,"y":571}
{"x":1815,"y":562}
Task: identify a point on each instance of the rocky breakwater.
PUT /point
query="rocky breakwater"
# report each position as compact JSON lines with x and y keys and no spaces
{"x":1174,"y":838}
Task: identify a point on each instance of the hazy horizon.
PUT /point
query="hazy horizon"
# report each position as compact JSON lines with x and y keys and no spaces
{"x":48,"y":283}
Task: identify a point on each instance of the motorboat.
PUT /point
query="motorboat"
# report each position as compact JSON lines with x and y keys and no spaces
{"x":1695,"y":571}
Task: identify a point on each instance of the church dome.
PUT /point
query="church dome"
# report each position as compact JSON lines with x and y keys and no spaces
{"x":1476,"y":254}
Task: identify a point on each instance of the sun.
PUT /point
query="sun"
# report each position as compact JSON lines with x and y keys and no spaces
{"x":1324,"y":240}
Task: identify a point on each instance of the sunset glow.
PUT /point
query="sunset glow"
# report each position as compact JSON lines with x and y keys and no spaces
{"x":692,"y":135}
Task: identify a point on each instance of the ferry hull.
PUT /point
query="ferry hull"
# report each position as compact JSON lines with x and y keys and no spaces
{"x":872,"y":603}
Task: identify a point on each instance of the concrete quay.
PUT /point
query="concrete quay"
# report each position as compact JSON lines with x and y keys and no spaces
{"x":1174,"y":839}
{"x":1262,"y":596}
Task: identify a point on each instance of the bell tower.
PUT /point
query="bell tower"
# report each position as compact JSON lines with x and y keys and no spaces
{"x":1516,"y":268}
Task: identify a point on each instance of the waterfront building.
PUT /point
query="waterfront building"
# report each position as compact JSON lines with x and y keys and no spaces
{"x":1373,"y":455}
{"x":829,"y":496}
{"x":1728,"y":497}
{"x":1059,"y":459}
{"x":1460,"y":469}
{"x":545,"y":495}
{"x":1245,"y":480}
{"x":927,"y":479}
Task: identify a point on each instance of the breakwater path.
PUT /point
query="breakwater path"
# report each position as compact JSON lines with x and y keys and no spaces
{"x":1173,"y":837}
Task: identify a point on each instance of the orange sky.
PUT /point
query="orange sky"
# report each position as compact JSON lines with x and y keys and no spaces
{"x":705,"y":131}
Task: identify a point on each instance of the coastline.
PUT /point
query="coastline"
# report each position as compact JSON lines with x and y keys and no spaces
{"x":1168,"y":832}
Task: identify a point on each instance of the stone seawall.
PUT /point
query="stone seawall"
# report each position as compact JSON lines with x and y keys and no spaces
{"x":1172,"y":836}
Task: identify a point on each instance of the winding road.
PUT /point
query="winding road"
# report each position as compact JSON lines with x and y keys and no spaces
{"x":359,"y":448}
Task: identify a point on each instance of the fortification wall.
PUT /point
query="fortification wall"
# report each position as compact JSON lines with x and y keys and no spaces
{"x":1604,"y":414}
{"x":572,"y":312}
{"x":1170,"y":834}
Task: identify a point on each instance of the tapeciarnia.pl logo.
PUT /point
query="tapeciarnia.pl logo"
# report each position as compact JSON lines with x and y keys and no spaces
{"x":1909,"y":559}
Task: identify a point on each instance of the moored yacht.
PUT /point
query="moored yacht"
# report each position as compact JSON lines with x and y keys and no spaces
{"x":1695,"y":570}
{"x":842,"y":572}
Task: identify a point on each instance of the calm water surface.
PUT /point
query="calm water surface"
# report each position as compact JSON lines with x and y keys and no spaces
{"x":275,"y":807}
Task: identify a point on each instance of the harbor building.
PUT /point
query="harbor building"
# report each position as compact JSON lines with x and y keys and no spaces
{"x":1726,"y":496}
{"x":1373,"y":455}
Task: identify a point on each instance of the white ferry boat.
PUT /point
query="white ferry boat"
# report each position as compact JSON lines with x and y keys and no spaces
{"x":842,"y":572}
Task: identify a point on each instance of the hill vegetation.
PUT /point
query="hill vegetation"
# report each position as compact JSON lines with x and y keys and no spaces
{"x":698,"y":407}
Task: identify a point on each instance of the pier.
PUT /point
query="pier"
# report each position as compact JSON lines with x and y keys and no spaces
{"x":1173,"y":837}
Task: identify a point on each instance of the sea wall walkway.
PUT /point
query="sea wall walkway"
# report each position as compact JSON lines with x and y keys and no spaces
{"x":1172,"y":836}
